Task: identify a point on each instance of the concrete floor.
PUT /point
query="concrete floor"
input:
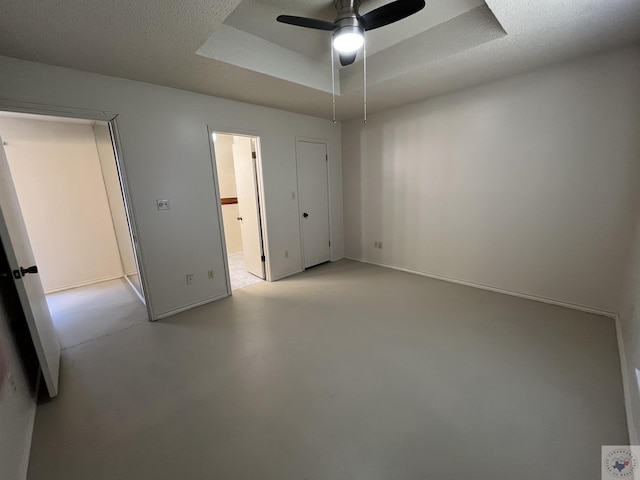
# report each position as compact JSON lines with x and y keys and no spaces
{"x":86,"y":313}
{"x":347,"y":371}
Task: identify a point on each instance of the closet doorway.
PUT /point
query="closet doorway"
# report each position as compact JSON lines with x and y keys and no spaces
{"x":313,"y":193}
{"x":67,"y":179}
{"x":237,"y":168}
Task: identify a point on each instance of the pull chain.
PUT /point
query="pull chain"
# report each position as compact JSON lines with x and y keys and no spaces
{"x":364,"y":62}
{"x":333,"y":80}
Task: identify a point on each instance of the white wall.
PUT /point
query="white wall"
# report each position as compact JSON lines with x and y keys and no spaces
{"x":56,"y":172}
{"x":165,"y":147}
{"x":629,"y":337}
{"x":227,"y":185}
{"x":529,"y":184}
{"x":17,"y":408}
{"x":114,"y":197}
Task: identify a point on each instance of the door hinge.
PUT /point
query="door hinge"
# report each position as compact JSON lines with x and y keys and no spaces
{"x":263,"y":258}
{"x":326,"y":157}
{"x":329,"y":242}
{"x":254,"y":155}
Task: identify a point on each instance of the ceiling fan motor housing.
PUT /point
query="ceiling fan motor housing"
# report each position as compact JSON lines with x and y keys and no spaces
{"x":347,"y":19}
{"x":347,"y":9}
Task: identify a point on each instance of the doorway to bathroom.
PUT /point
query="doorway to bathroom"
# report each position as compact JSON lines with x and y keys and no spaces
{"x":238,"y":169}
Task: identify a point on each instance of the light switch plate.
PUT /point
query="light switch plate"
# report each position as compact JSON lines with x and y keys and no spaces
{"x":163,"y":204}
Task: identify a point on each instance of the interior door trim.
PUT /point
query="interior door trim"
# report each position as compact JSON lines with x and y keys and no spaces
{"x":227,"y":130}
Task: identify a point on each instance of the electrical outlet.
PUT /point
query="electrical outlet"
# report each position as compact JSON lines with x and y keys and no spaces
{"x":380,"y":245}
{"x":189,"y":278}
{"x":210,"y":274}
{"x":163,"y":204}
{"x":377,"y":244}
{"x":286,"y":254}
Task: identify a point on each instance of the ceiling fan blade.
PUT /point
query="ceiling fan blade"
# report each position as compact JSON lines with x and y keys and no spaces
{"x":307,"y":22}
{"x":347,"y":58}
{"x":391,"y":12}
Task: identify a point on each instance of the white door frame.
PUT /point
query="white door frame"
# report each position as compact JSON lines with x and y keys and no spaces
{"x":325,"y":142}
{"x":241,"y":132}
{"x":111,"y":119}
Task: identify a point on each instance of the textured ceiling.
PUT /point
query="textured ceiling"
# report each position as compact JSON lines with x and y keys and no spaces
{"x":451,"y":44}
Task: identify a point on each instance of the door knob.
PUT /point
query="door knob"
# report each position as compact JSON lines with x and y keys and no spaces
{"x":24,"y":271}
{"x":305,"y":214}
{"x":239,"y":218}
{"x":18,"y":274}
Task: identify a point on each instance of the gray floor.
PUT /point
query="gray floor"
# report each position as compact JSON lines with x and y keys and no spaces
{"x":345,"y":372}
{"x":86,"y":313}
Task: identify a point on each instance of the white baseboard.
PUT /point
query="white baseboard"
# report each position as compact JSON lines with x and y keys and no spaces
{"x":190,"y":306}
{"x":527,"y":296}
{"x":83,"y":284}
{"x":626,"y":386}
{"x":285,"y":275}
{"x":294,"y":272}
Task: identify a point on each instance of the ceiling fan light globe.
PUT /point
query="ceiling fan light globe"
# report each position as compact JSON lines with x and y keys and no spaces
{"x":348,"y":39}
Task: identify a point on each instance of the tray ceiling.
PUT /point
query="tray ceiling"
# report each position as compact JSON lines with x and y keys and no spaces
{"x":251,"y":38}
{"x":236,"y":49}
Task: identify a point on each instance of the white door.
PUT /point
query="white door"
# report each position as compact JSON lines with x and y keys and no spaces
{"x":15,"y":241}
{"x":248,"y":206}
{"x":313,"y":192}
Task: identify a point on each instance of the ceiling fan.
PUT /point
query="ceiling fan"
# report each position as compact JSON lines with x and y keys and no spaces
{"x":349,"y":26}
{"x":348,"y":31}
